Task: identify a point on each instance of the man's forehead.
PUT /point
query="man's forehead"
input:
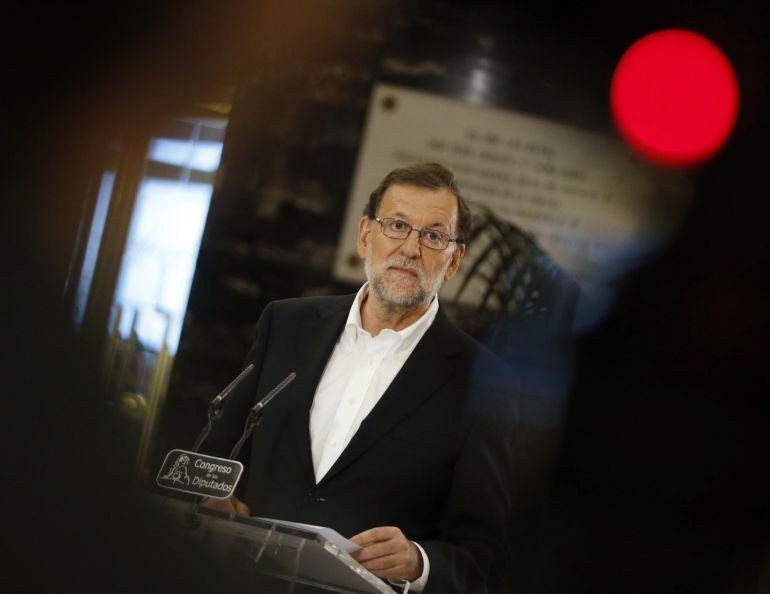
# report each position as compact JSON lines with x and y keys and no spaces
{"x":439,"y":204}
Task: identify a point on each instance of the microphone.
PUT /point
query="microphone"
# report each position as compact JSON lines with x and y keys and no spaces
{"x":218,"y":401}
{"x":257,"y":408}
{"x":207,"y":476}
{"x":174,"y":473}
{"x":216,"y":406}
{"x":255,"y":414}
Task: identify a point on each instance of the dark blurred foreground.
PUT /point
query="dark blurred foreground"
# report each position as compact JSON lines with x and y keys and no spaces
{"x":661,"y":484}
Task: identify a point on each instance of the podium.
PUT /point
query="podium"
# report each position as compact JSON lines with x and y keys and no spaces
{"x":281,"y":558}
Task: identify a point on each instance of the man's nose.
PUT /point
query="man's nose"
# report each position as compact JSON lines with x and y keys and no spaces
{"x":411,"y":245}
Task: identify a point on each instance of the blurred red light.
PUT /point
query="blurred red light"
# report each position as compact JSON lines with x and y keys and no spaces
{"x":674,"y":97}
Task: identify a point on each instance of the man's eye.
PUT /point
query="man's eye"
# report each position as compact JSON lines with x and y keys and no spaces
{"x":398,"y":225}
{"x":433,"y":236}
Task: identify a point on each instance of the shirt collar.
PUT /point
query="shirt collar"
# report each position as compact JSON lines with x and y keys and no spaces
{"x":353,"y":324}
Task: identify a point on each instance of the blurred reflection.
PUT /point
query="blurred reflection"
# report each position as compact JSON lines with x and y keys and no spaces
{"x":675,"y":97}
{"x":167,"y":216}
{"x":166,"y":229}
{"x":94,"y":240}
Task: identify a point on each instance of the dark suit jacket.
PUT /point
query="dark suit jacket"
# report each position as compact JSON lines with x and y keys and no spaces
{"x":433,"y":457}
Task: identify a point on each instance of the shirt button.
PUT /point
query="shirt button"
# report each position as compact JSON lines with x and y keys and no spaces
{"x":351,"y":402}
{"x":320,"y":500}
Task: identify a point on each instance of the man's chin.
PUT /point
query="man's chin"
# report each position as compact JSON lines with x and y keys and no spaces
{"x":402,"y":299}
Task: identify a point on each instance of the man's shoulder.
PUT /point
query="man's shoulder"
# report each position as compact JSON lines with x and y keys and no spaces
{"x":316,"y":303}
{"x":463,"y":341}
{"x":493,"y":384}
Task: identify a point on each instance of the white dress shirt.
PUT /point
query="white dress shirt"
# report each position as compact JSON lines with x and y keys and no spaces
{"x":356,"y":376}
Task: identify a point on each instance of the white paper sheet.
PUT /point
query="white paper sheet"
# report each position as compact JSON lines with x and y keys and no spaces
{"x":329,"y":534}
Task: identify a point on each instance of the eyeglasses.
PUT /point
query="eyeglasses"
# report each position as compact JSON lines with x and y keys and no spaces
{"x":430,"y":238}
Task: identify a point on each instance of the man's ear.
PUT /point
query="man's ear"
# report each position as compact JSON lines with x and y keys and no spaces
{"x":454,"y":263}
{"x":364,"y":228}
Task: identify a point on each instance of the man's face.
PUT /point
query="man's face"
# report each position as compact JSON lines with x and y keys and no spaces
{"x":402,"y":272}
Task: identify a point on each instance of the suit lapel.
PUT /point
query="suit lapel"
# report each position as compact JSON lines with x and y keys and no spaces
{"x":426,"y":370}
{"x":314,"y":345}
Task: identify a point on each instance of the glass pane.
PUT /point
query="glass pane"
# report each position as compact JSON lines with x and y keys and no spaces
{"x":165,"y":234}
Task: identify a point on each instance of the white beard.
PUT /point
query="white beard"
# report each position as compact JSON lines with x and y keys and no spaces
{"x":401,"y":294}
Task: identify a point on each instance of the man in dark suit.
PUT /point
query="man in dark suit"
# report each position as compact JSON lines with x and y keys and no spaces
{"x":397,"y":430}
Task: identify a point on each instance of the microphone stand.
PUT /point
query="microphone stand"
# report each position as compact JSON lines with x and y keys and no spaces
{"x":217,"y":405}
{"x":253,"y":419}
{"x":255,"y":414}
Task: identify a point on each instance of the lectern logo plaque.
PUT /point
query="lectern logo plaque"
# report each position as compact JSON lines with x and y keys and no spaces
{"x":199,"y":474}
